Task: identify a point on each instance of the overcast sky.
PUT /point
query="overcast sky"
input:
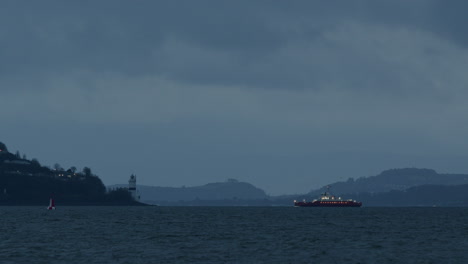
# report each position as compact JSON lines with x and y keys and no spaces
{"x":286,"y":95}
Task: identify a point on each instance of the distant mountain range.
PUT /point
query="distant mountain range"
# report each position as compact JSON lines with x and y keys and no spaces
{"x":395,"y":187}
{"x":395,"y":179}
{"x":231,"y":190}
{"x":424,"y":195}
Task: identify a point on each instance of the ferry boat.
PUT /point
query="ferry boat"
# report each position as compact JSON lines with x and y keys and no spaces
{"x":328,"y":200}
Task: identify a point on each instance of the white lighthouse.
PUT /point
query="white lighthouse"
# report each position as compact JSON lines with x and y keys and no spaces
{"x":132,"y":187}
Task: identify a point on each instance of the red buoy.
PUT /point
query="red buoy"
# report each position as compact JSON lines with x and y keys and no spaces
{"x":51,"y":205}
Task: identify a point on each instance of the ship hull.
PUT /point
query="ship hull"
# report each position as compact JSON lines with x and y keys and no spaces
{"x":328,"y":204}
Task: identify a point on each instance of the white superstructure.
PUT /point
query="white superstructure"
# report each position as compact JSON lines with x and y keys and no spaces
{"x":132,"y":187}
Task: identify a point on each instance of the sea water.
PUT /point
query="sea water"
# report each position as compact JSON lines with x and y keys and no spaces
{"x":233,"y":235}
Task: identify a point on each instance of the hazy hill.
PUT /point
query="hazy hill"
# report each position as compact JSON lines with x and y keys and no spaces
{"x":396,"y":187}
{"x":425,"y":195}
{"x":229,"y":190}
{"x":394,"y":179}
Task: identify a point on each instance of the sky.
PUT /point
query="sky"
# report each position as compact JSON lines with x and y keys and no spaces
{"x":286,"y":95}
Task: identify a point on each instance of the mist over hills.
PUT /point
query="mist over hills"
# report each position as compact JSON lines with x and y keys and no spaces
{"x":394,"y":179}
{"x":27,"y":182}
{"x":395,"y":187}
{"x":424,"y":195}
{"x":231,"y":190}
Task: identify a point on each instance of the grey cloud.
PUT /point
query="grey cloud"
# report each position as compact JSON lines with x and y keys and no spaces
{"x":286,"y":95}
{"x":128,"y":38}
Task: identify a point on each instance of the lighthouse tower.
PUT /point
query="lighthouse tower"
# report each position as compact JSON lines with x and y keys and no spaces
{"x":132,"y":187}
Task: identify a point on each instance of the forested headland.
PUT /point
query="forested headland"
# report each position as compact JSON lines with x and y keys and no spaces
{"x":27,"y":182}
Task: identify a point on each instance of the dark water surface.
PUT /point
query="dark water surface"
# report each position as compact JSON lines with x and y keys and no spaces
{"x":233,"y":235}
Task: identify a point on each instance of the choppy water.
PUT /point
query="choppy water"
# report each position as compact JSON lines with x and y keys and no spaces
{"x":233,"y":235}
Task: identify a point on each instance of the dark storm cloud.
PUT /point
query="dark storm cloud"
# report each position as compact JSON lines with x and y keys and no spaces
{"x":207,"y":42}
{"x":119,"y":35}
